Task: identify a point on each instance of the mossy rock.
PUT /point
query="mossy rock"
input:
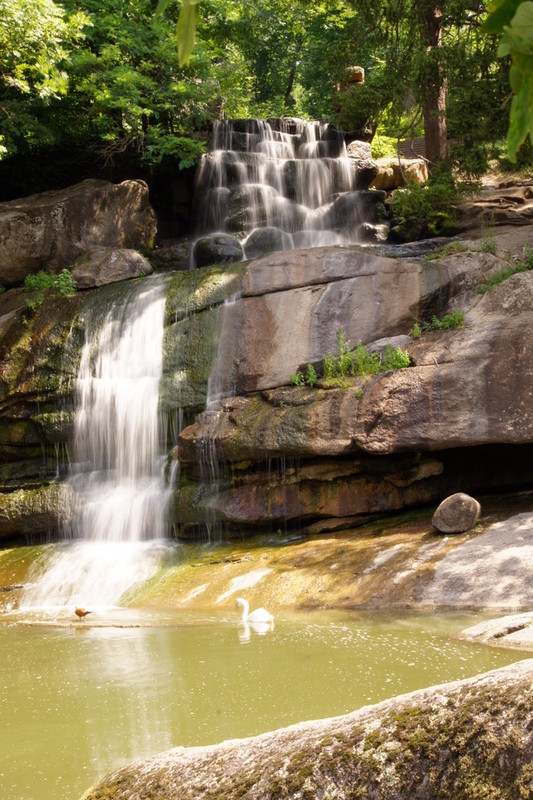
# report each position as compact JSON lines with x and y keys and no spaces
{"x":30,"y":512}
{"x":466,"y":740}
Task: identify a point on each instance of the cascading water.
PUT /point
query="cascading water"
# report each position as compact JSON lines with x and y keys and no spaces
{"x":118,"y":493}
{"x":279,"y":184}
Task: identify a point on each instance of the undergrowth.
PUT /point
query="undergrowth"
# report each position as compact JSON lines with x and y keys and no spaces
{"x":521,"y":266}
{"x":344,"y":363}
{"x":452,"y":321}
{"x":44,"y":282}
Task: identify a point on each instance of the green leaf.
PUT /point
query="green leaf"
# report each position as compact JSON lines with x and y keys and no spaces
{"x":186,"y":30}
{"x":520,"y":118}
{"x":523,"y":20}
{"x":501,"y":16}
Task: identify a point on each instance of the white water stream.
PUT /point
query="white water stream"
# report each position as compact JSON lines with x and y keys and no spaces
{"x":117,"y":490}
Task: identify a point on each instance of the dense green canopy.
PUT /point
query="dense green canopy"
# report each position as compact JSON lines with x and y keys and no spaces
{"x":105,"y":76}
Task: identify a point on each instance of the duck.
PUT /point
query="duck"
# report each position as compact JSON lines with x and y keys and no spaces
{"x":259,"y":615}
{"x":81,"y":613}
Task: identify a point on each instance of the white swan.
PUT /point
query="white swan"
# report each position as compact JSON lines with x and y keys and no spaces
{"x":259,"y":615}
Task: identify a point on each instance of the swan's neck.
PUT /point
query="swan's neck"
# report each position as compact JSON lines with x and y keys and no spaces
{"x":245,"y":609}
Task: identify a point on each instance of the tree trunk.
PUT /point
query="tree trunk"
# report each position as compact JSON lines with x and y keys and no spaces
{"x":433,"y":84}
{"x":290,"y":82}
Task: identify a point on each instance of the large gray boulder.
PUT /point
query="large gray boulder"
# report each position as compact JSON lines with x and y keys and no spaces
{"x":52,"y":230}
{"x":266,"y":240}
{"x":469,"y":739}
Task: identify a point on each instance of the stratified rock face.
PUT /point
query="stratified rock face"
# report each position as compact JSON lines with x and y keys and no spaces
{"x":470,"y":739}
{"x":466,"y":388}
{"x":51,"y":230}
{"x":456,"y":514}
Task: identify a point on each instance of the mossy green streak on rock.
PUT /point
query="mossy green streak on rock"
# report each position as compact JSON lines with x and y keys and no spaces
{"x":468,"y":740}
{"x":198,"y":289}
{"x":192,"y":325}
{"x":189,"y":348}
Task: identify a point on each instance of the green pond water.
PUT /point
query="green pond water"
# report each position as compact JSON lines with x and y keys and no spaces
{"x":81,"y":700}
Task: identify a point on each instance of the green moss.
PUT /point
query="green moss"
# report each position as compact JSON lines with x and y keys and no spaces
{"x":195,"y":290}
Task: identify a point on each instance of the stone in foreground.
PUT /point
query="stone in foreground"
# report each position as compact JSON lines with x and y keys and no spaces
{"x":469,"y":739}
{"x":456,"y":514}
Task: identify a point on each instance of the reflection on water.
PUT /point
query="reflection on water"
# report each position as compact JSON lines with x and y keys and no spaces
{"x":80,"y":700}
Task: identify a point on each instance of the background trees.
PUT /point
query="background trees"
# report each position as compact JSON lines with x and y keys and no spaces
{"x":98,"y":83}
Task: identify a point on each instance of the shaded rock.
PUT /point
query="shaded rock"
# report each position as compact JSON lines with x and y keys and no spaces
{"x":469,"y":739}
{"x":366,"y":168}
{"x":176,"y":256}
{"x":265,"y":240}
{"x":373,"y":233}
{"x":51,"y":230}
{"x":351,"y":209}
{"x":102,"y":265}
{"x":340,"y":488}
{"x":249,"y":206}
{"x":456,"y":514}
{"x":217,"y":248}
{"x":407,"y":230}
{"x":35,"y":512}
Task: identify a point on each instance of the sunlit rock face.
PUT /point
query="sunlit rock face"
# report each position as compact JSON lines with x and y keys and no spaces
{"x":255,"y":450}
{"x":457,"y":412}
{"x":52,"y":230}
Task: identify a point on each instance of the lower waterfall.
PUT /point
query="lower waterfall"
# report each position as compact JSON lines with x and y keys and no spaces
{"x":117,"y":488}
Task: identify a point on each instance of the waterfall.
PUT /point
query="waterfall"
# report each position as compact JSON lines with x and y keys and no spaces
{"x":277,"y":185}
{"x":117,"y":489}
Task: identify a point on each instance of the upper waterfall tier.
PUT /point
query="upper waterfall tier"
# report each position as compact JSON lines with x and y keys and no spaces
{"x":280,"y":184}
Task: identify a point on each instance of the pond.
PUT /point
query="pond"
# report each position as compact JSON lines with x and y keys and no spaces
{"x":79,"y":700}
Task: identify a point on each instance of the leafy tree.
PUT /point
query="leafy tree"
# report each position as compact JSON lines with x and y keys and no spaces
{"x":36,"y":40}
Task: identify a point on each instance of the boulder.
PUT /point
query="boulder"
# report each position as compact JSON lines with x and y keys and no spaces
{"x":391,"y":174}
{"x":266,"y":240}
{"x":352,"y":209}
{"x":217,"y":248}
{"x":456,"y":514}
{"x":467,"y":739}
{"x":53,"y":229}
{"x":104,"y":265}
{"x":26,"y":513}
